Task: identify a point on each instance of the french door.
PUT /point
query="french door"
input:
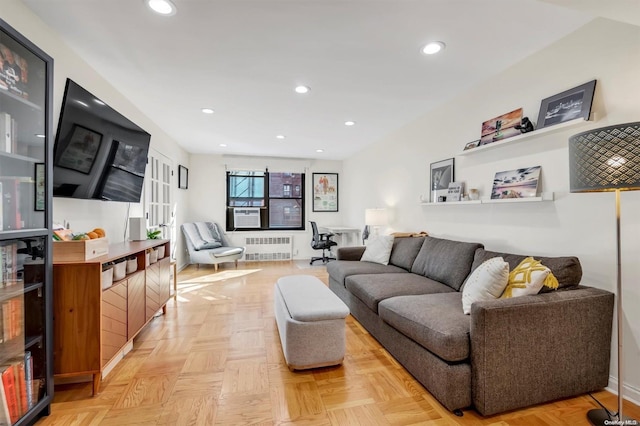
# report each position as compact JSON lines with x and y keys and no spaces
{"x":159,"y":212}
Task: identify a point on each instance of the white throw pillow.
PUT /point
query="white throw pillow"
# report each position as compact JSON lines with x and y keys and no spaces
{"x":378,"y":249}
{"x":486,"y":282}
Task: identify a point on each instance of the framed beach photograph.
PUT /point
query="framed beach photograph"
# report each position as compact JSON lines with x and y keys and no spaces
{"x":501,"y":127}
{"x":325,"y":192}
{"x":568,"y":105}
{"x":519,"y":183}
{"x":183,"y":177}
{"x":441,"y":174}
{"x":80,"y":152}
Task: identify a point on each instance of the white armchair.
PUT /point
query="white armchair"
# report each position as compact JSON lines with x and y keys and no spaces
{"x":207,"y":244}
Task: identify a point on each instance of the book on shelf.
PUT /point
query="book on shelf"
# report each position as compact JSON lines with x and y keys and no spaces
{"x":5,"y":416}
{"x":9,"y":385}
{"x":455,"y":191}
{"x":6,"y":133}
{"x":28,"y":378}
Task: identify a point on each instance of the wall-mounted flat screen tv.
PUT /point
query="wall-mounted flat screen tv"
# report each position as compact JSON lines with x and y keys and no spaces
{"x":98,"y":153}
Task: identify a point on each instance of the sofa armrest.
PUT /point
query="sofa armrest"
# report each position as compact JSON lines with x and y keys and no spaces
{"x":539,"y":348}
{"x":350,"y":253}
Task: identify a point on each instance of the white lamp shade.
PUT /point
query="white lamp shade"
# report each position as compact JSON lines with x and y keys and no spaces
{"x":375,"y":217}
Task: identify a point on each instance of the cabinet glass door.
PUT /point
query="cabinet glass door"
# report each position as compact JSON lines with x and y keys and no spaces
{"x":22,"y":136}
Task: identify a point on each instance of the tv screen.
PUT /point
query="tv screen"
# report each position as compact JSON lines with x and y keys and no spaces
{"x":98,"y":153}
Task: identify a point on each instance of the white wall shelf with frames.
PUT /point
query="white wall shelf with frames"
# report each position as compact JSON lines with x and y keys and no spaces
{"x":545,"y":196}
{"x":526,"y":136}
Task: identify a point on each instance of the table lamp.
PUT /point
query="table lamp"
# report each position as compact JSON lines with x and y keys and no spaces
{"x":608,"y":159}
{"x":375,"y":218}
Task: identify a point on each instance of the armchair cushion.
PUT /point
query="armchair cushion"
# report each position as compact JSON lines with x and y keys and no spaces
{"x":203,"y":235}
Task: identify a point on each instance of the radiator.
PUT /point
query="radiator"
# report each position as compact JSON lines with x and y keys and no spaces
{"x":268,"y":248}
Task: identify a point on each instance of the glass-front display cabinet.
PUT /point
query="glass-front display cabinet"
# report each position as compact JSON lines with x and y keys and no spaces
{"x":26,"y":381}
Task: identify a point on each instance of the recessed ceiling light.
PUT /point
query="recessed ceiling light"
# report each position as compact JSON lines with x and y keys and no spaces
{"x":223,"y":145}
{"x":302,"y":89}
{"x":433,"y":47}
{"x":349,"y":123}
{"x":207,"y":110}
{"x":319,"y":150}
{"x":163,"y":7}
{"x":280,"y":136}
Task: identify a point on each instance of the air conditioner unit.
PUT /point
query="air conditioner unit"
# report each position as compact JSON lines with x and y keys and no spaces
{"x":246,"y":217}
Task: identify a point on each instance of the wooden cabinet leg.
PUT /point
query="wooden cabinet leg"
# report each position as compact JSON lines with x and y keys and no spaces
{"x":164,"y":309}
{"x":216,"y":267}
{"x":96,"y":383}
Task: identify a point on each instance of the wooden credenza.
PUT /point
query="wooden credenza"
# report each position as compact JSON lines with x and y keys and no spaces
{"x":94,"y":326}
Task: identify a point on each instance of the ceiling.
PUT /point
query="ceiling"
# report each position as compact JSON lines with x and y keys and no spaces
{"x":361,"y":59}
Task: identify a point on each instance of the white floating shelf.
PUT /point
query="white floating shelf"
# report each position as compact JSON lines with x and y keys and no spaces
{"x":525,"y":136}
{"x":545,"y":196}
{"x":451,"y":203}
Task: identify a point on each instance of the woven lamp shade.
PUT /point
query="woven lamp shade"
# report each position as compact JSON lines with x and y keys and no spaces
{"x":605,"y":159}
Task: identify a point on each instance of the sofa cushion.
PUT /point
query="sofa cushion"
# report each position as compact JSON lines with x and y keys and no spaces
{"x":404,"y":251}
{"x":446,"y":261}
{"x":486,"y":282}
{"x":378,"y":250}
{"x":528,"y":278}
{"x":566,"y":269}
{"x":434,"y":321}
{"x":341,"y":269}
{"x":371,"y":289}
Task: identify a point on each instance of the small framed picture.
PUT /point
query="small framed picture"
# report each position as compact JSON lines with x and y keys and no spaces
{"x":441,"y":174}
{"x":183,"y":177}
{"x":502,"y":127}
{"x":568,"y":105}
{"x":472,"y":144}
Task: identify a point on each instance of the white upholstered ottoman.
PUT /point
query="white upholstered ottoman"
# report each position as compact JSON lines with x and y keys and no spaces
{"x":310,"y":320}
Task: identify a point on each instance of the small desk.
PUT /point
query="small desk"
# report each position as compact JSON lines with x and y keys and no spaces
{"x":347,"y":235}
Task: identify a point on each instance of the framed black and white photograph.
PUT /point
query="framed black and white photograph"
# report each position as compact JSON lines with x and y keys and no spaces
{"x":183,"y":177}
{"x":441,"y":174}
{"x":568,"y":105}
{"x":325,"y":192}
{"x":81,"y":149}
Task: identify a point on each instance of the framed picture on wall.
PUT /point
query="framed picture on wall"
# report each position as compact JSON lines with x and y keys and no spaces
{"x":183,"y":177}
{"x":568,"y":105}
{"x":325,"y":192}
{"x":441,"y":176}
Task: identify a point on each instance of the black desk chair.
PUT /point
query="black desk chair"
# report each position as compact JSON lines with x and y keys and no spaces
{"x":321,"y":242}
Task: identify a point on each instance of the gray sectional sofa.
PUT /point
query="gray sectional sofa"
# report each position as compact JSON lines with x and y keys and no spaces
{"x":508,"y":354}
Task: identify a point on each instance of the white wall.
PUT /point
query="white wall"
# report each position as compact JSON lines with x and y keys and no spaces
{"x":84,"y":215}
{"x":207,"y":193}
{"x":397,"y":169}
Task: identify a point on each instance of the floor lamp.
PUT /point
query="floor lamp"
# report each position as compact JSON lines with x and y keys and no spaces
{"x":608,"y":159}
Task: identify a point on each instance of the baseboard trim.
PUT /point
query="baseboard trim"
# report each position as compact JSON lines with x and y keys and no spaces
{"x":631,"y":393}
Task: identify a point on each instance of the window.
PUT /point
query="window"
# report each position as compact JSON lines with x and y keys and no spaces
{"x":280,"y":197}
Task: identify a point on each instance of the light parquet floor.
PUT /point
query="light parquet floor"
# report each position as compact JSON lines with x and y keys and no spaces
{"x":215,"y":359}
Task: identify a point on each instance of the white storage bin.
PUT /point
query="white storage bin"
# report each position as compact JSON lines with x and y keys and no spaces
{"x":132,"y":266}
{"x":160,"y":252}
{"x":107,"y":277}
{"x":119,"y":270}
{"x":153,"y":256}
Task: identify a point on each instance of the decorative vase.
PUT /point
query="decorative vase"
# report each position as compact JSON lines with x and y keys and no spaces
{"x":474,"y":194}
